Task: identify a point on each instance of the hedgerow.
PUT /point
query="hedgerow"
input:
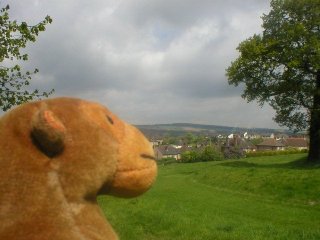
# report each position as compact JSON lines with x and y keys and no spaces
{"x":273,"y":153}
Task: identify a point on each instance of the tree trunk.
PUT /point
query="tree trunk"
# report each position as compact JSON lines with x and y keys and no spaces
{"x":314,"y":131}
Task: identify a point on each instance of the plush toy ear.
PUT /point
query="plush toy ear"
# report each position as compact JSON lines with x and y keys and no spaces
{"x":48,"y":133}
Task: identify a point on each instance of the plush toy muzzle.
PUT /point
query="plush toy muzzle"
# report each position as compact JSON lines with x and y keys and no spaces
{"x":56,"y":156}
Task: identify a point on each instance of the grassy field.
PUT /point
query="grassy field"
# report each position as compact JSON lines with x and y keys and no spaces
{"x":256,"y":198}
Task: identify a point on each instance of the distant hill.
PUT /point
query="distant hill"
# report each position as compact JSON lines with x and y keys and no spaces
{"x":177,"y":129}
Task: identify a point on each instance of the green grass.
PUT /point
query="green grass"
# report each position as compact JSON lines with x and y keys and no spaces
{"x":272,"y":198}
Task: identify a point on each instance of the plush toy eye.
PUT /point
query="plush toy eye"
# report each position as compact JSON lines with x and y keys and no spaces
{"x":110,"y":120}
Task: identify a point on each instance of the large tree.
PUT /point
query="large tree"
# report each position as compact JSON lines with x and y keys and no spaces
{"x":13,"y":81}
{"x":281,"y":67}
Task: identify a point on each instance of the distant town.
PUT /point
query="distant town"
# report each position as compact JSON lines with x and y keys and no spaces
{"x":174,"y":140}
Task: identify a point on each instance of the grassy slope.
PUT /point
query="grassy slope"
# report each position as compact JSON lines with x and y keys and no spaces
{"x":258,"y":198}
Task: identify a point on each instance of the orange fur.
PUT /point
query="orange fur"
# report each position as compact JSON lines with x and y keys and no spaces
{"x":56,"y":156}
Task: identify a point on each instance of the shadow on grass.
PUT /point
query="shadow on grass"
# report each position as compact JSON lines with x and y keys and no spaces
{"x":301,"y":164}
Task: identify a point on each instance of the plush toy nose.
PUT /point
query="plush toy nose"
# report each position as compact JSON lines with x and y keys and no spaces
{"x":136,"y":169}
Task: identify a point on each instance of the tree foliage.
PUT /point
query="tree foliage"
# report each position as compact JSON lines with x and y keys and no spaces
{"x":208,"y":153}
{"x":14,"y":36}
{"x":281,"y":66}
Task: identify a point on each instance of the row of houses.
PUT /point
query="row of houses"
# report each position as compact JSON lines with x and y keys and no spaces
{"x":236,"y":142}
{"x":268,"y":144}
{"x":249,"y":136}
{"x":282,"y":144}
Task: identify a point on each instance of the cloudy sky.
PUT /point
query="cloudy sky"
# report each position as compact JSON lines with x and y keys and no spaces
{"x":149,"y":61}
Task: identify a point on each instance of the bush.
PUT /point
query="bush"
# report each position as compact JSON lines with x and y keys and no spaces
{"x":233,"y":153}
{"x":207,"y":154}
{"x":189,"y":156}
{"x":210,"y":153}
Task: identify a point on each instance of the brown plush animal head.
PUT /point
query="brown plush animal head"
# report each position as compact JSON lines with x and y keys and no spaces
{"x":56,"y":156}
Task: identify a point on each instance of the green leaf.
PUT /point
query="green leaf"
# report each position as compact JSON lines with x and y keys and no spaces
{"x":14,"y":36}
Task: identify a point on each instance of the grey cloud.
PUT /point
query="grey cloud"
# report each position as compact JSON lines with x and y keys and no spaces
{"x":184,"y":12}
{"x":149,"y":61}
